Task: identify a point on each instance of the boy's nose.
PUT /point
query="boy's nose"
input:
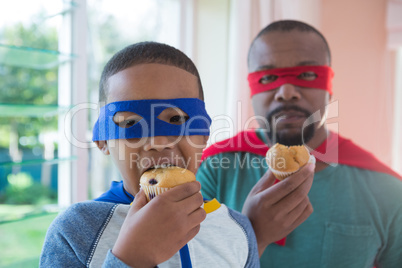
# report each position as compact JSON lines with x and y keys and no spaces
{"x":287,"y":92}
{"x":159,"y":143}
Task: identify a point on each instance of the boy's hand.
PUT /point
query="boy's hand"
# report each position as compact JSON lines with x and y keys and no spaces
{"x":276,"y":210}
{"x":153,"y":233}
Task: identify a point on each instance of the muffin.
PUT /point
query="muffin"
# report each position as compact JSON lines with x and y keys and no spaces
{"x":286,"y":160}
{"x":158,"y":180}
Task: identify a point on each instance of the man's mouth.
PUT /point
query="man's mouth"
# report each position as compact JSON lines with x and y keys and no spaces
{"x":289,"y":117}
{"x":287,"y":125}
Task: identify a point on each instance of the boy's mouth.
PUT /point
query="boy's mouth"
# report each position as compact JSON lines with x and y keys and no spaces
{"x":160,"y":166}
{"x":153,"y":166}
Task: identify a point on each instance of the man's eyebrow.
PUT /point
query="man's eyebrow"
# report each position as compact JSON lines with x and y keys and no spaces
{"x":266,"y":67}
{"x":307,"y":62}
{"x":302,"y":63}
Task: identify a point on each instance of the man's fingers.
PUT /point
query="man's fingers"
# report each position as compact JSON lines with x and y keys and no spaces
{"x":290,"y":184}
{"x":295,"y":214}
{"x":293,"y":199}
{"x":307,"y":170}
{"x":183,"y":191}
{"x":304,"y":215}
{"x":266,"y":181}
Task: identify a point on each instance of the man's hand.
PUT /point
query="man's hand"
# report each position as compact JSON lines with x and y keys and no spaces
{"x":152,"y":233}
{"x":276,"y":210}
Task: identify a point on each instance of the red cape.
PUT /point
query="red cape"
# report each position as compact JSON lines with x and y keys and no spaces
{"x":334,"y":150}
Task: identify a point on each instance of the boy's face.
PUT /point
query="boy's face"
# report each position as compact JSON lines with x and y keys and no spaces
{"x":134,"y":156}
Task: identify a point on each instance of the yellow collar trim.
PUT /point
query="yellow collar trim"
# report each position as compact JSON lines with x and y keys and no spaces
{"x":211,"y":206}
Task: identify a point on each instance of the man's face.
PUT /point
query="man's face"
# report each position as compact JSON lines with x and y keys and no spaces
{"x":134,"y":156}
{"x":287,"y":107}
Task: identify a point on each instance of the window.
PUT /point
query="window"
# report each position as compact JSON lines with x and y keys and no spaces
{"x":112,"y":26}
{"x":50,"y":64}
{"x":30,"y":64}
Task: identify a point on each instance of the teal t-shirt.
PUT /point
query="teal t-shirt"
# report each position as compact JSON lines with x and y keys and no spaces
{"x":357,"y":218}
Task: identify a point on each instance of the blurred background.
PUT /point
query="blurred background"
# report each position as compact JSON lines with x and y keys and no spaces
{"x":52,"y":53}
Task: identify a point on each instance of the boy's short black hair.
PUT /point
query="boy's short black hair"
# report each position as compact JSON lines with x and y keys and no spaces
{"x":289,"y":25}
{"x":146,"y":52}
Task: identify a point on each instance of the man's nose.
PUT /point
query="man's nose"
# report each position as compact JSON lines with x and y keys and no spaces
{"x":160,"y":143}
{"x":287,"y":92}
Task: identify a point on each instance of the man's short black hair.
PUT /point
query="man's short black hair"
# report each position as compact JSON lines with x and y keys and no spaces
{"x":290,"y":25}
{"x":146,"y":52}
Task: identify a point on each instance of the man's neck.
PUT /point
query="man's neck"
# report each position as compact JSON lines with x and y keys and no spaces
{"x":319,"y":137}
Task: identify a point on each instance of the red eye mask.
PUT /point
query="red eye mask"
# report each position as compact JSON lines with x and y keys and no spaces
{"x":318,"y":77}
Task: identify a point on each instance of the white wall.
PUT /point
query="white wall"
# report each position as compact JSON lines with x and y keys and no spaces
{"x":364,"y":71}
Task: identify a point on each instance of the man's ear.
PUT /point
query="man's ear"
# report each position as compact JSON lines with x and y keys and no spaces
{"x":102,"y":145}
{"x":328,"y":97}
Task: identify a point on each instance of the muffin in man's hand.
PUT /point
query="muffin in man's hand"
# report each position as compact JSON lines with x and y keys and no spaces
{"x":283,"y":160}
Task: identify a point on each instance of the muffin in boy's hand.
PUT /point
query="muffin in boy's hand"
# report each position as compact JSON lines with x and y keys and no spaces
{"x":283,"y":161}
{"x":158,"y":180}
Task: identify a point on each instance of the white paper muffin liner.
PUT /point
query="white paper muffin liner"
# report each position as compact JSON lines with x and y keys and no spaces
{"x":152,"y":191}
{"x":280,"y":175}
{"x":311,"y":160}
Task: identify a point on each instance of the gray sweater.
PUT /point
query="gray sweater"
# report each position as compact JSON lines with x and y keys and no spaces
{"x":84,"y":234}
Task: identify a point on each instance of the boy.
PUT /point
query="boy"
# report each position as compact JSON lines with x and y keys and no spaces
{"x":154,"y":115}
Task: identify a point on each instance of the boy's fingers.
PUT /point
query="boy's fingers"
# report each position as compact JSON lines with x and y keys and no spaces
{"x":192,"y":233}
{"x":183,"y":191}
{"x":196,"y":217}
{"x":192,"y":203}
{"x":140,"y":200}
{"x":188,"y":236}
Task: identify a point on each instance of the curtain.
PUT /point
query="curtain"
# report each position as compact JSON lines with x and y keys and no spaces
{"x":394,"y":24}
{"x":394,"y":43}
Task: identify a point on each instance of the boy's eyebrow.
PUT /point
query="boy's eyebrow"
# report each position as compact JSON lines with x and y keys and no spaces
{"x":118,"y":112}
{"x":125,"y":114}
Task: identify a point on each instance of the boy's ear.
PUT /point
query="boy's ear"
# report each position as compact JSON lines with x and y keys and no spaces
{"x":206,"y":140}
{"x":102,"y":145}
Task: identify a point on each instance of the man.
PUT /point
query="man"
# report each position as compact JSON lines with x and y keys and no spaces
{"x":357,"y":200}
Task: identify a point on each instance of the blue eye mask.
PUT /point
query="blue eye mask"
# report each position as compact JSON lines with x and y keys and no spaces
{"x":150,"y":125}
